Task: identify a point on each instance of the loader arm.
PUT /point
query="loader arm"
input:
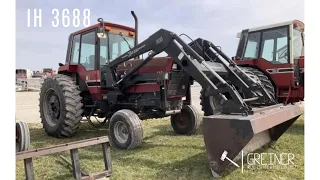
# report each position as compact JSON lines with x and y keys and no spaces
{"x":183,"y":55}
{"x":210,"y":52}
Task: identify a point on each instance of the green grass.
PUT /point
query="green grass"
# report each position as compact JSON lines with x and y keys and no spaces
{"x":163,"y":155}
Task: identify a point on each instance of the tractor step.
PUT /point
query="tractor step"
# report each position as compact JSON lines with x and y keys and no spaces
{"x":237,"y":135}
{"x":73,"y":147}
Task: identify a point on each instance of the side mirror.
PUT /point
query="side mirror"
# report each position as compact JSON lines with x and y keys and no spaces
{"x":235,"y":58}
{"x":102,"y":33}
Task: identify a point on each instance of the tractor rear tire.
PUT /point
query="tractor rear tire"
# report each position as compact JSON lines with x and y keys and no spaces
{"x":211,"y":106}
{"x":187,"y":121}
{"x":60,"y":105}
{"x":265,"y":81}
{"x":205,"y":104}
{"x":125,"y":129}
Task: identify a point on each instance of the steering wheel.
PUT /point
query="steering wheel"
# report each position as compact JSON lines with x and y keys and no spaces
{"x":283,"y":55}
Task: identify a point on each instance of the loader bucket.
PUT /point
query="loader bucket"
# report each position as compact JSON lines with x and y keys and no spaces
{"x":232,"y":136}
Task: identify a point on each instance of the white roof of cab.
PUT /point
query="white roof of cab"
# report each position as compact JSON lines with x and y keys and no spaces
{"x":270,"y":26}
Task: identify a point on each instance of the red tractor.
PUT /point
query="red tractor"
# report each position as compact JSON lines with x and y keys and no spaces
{"x":276,"y":54}
{"x":83,"y":88}
{"x":47,"y":72}
{"x":103,"y":76}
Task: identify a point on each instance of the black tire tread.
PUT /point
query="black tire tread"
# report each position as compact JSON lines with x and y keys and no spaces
{"x":204,"y":101}
{"x":73,"y":105}
{"x":265,"y":81}
{"x":24,"y":136}
{"x":196,"y":116}
{"x":205,"y":104}
{"x":136,"y":126}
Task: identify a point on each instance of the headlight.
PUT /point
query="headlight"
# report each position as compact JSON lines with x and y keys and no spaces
{"x":166,"y":76}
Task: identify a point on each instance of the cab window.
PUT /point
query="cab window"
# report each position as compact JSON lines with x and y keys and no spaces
{"x":75,"y":50}
{"x":87,"y":50}
{"x":274,"y":45}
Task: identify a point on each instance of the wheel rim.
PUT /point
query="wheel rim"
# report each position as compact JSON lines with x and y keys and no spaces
{"x":216,"y":101}
{"x":22,"y":137}
{"x":182,"y":119}
{"x":215,"y":104}
{"x":51,"y":107}
{"x":121,"y":132}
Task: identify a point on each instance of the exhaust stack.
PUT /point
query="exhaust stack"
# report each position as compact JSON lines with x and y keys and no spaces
{"x":136,"y":30}
{"x":135,"y":27}
{"x":234,"y":135}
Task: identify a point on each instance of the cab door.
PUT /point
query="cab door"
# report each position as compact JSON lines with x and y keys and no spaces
{"x":85,"y":56}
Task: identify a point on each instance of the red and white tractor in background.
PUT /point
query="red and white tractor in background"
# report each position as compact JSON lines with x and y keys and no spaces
{"x":276,"y":53}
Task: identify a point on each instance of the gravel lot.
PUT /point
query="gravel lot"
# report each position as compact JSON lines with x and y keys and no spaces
{"x":27,"y":105}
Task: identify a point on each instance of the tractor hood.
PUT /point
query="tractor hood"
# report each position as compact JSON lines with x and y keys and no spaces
{"x":164,"y":64}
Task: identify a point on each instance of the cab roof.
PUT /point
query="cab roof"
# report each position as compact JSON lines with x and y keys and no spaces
{"x":106,"y":24}
{"x":274,"y":25}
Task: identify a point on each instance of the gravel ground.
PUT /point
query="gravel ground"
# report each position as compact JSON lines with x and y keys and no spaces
{"x":27,"y":108}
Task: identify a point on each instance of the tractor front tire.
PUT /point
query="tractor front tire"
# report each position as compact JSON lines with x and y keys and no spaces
{"x":125,"y":129}
{"x":22,"y":136}
{"x":60,"y":106}
{"x":187,"y":121}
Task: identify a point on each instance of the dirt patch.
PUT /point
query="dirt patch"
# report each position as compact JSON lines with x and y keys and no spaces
{"x":27,"y":107}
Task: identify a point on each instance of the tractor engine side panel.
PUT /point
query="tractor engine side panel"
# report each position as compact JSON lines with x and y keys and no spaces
{"x":144,"y":88}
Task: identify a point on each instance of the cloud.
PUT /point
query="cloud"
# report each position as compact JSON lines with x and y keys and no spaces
{"x":217,"y":21}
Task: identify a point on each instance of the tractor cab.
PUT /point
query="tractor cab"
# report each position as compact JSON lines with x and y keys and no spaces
{"x":113,"y":42}
{"x":278,"y":52}
{"x":278,"y":44}
{"x":90,"y":49}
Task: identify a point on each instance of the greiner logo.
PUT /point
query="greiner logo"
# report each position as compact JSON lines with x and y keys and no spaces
{"x":256,"y":161}
{"x":270,"y":160}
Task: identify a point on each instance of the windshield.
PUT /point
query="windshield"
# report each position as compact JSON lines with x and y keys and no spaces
{"x":271,"y":44}
{"x":118,"y":45}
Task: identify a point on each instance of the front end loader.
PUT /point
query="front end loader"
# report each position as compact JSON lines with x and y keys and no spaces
{"x":236,"y":135}
{"x":124,"y":89}
{"x":243,"y":116}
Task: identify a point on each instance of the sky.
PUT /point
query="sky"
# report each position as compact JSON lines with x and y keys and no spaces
{"x":216,"y":20}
